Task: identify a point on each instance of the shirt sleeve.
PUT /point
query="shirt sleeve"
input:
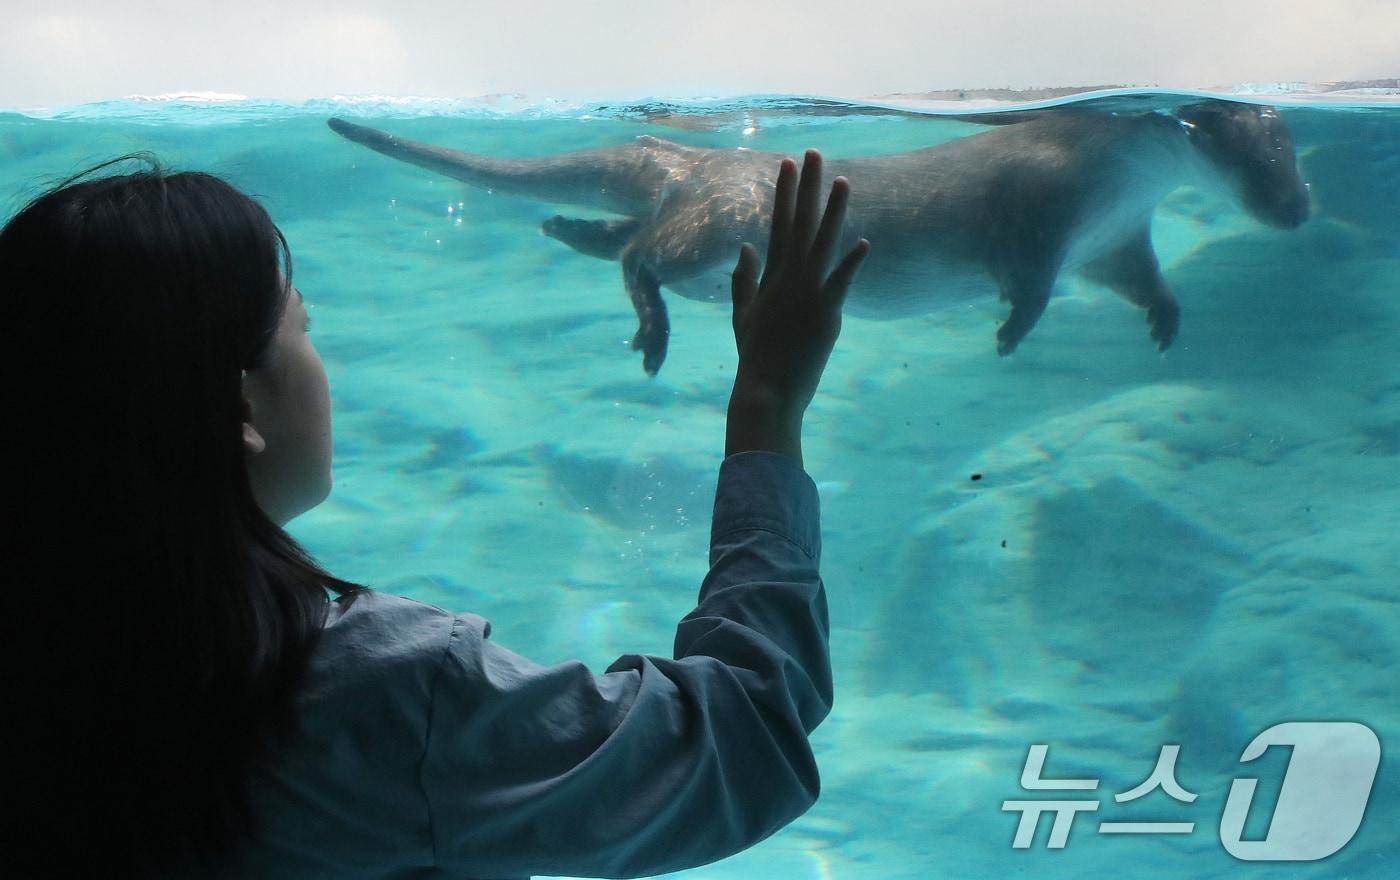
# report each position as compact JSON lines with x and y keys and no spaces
{"x":659,"y":764}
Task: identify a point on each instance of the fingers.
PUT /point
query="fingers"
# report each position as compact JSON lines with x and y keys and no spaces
{"x":832,"y":221}
{"x":803,"y":234}
{"x":835,"y":289}
{"x":783,"y":201}
{"x":809,"y":190}
{"x":745,"y":280}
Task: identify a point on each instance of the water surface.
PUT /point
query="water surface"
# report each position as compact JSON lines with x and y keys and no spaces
{"x":1089,"y":545}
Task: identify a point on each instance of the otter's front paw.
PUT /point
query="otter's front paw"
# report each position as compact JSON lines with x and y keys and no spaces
{"x":1165,"y":319}
{"x":1008,"y":339}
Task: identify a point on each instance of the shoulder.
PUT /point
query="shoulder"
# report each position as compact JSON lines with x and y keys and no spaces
{"x":373,"y":636}
{"x":343,"y":793}
{"x":370,"y":610}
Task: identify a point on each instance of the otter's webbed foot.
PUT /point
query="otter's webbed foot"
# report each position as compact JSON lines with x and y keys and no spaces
{"x":1028,"y":302}
{"x":653,"y":324}
{"x":1131,"y":271}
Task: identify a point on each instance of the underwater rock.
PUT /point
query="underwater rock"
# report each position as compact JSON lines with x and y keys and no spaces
{"x":1067,"y":567}
{"x":655,"y":493}
{"x":1357,"y":181}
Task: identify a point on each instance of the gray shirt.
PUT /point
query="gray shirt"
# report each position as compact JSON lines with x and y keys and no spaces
{"x":427,"y":750}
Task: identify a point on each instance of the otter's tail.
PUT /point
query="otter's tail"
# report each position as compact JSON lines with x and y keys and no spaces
{"x":585,"y":178}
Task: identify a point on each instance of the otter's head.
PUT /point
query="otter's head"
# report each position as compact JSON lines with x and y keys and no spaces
{"x":1249,"y":149}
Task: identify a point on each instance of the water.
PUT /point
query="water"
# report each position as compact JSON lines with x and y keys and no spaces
{"x":1087,"y":545}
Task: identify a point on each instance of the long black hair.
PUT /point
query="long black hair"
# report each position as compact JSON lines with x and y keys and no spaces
{"x":158,"y":622}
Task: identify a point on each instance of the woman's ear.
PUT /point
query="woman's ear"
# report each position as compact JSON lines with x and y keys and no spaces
{"x":253,"y":442}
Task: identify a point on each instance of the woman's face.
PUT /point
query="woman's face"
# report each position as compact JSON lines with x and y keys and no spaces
{"x":287,"y":421}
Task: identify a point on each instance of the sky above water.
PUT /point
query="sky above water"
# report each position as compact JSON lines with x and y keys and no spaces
{"x":56,"y":53}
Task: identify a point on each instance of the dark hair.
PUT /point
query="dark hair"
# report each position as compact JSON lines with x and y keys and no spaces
{"x":162,"y":622}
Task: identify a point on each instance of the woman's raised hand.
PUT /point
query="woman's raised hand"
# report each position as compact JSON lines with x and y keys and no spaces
{"x":787,"y":321}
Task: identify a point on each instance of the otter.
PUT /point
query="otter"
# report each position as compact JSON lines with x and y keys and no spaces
{"x":1003,"y":211}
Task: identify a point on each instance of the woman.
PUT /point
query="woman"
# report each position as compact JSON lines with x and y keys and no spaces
{"x":189,"y":702}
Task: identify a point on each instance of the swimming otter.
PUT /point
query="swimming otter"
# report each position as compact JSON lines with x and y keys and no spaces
{"x":1004,"y":210}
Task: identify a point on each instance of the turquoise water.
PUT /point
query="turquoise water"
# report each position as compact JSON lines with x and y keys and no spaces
{"x":1161,"y":549}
